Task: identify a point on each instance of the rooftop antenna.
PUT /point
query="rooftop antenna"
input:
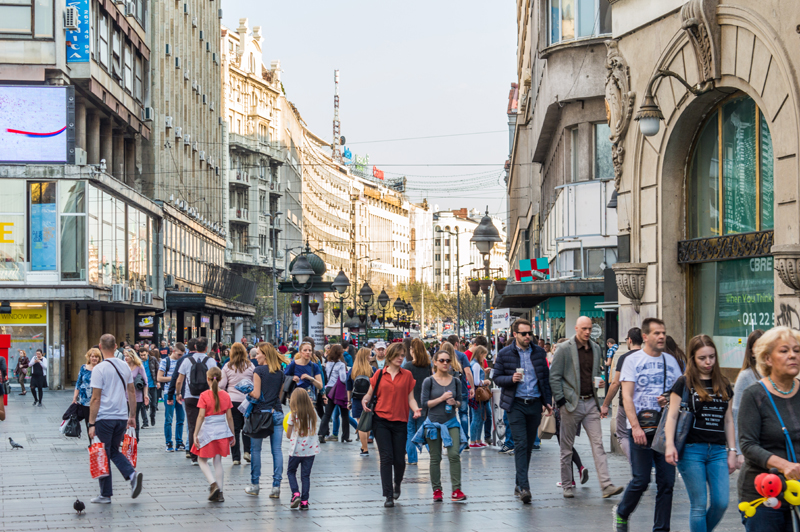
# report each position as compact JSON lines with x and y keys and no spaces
{"x":336,"y":151}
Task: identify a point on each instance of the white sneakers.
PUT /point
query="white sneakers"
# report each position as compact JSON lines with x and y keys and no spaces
{"x":252,"y":489}
{"x":101,"y":500}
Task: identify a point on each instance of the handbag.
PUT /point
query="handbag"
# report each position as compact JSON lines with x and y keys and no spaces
{"x":547,"y":428}
{"x":259,"y":424}
{"x":682,"y":427}
{"x":483,"y":394}
{"x":650,"y":419}
{"x":365,"y":421}
{"x":72,"y":429}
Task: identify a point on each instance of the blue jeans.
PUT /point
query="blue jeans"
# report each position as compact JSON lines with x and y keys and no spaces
{"x":337,"y":423}
{"x":304,"y":463}
{"x":180,"y":415}
{"x":479,"y":418}
{"x":110,"y":433}
{"x":463,"y":414}
{"x":509,"y":438}
{"x":642,"y":460}
{"x":413,"y":426}
{"x":277,"y":456}
{"x":704,"y":468}
{"x":768,"y":520}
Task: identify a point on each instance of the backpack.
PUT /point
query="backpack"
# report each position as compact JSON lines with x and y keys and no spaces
{"x":197,"y":381}
{"x":360,"y":387}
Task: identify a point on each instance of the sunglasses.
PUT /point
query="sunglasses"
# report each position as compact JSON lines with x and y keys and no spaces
{"x":525,"y":333}
{"x":444,"y":361}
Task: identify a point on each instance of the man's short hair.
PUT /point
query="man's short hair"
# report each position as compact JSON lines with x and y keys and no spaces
{"x":201,"y":344}
{"x":481,"y":341}
{"x":453,"y":339}
{"x":635,"y":336}
{"x":180,"y":347}
{"x":108,"y":342}
{"x":517,"y":323}
{"x":649,"y":322}
{"x":611,"y":340}
{"x":192,"y":344}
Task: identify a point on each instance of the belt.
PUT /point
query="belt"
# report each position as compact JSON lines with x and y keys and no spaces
{"x":584,"y":397}
{"x":527,"y":400}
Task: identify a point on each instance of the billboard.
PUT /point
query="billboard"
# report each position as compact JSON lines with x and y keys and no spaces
{"x":37,"y":124}
{"x":78,"y":41}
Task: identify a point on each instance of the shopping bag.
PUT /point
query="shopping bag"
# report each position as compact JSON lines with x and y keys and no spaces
{"x":98,"y":461}
{"x":73,"y":428}
{"x":547,"y":428}
{"x":130,"y":446}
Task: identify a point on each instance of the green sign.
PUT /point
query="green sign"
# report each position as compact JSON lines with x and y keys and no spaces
{"x":379,"y":334}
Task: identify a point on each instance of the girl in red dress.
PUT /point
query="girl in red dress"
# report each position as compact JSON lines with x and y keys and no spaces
{"x":213,"y":434}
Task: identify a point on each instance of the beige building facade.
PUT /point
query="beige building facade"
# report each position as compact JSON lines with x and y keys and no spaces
{"x":708,"y":202}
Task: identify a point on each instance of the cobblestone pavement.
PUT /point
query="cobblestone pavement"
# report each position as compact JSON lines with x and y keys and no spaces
{"x":39,"y":484}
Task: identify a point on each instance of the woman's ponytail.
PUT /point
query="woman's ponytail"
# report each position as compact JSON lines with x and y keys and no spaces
{"x":214,"y":375}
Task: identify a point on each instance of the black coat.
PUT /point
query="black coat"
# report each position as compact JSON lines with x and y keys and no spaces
{"x":506,"y":364}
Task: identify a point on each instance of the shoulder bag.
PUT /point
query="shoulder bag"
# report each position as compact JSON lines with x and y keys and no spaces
{"x":682,"y":426}
{"x":789,"y":446}
{"x":650,"y":419}
{"x":258,"y":424}
{"x":365,"y":421}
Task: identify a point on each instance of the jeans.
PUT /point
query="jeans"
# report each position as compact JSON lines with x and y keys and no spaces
{"x":509,"y":438}
{"x":276,"y":438}
{"x":336,"y":423}
{"x":479,"y":418}
{"x":435,"y":447}
{"x":238,"y":425}
{"x":768,"y":520}
{"x":175,"y":409}
{"x":305,"y":463}
{"x":153,"y":404}
{"x":110,"y":433}
{"x":411,"y":429}
{"x":390,"y":436}
{"x":325,"y":422}
{"x":463,"y":414}
{"x":524,"y":420}
{"x":642,"y":459}
{"x":704,"y":468}
{"x":190,"y":404}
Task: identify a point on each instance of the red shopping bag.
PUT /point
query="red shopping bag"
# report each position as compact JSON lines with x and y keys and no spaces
{"x":98,"y":461}
{"x":130,"y":446}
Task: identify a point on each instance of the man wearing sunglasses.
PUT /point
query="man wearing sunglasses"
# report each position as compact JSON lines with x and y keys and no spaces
{"x":521,"y":371}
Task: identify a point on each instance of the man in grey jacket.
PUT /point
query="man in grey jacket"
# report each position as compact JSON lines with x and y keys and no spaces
{"x":576,"y":363}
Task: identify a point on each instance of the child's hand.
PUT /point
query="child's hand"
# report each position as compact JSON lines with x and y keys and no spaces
{"x":231,"y":441}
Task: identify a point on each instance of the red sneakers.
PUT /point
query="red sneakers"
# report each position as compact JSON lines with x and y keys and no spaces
{"x":458,"y":495}
{"x":437,"y":496}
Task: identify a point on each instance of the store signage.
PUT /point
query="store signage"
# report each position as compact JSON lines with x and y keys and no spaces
{"x":37,"y":124}
{"x":24,"y":317}
{"x":533,"y":269}
{"x":377,"y":173}
{"x":361,"y":163}
{"x":501,"y":318}
{"x":43,"y":237}
{"x":78,"y":41}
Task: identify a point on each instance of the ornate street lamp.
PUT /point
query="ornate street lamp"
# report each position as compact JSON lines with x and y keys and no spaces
{"x":383,"y":302}
{"x":485,"y":237}
{"x":341,"y":283}
{"x":649,"y":115}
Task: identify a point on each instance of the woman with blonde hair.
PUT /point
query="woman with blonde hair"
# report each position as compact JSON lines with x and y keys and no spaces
{"x":419,"y":364}
{"x":357,"y":387}
{"x":239,"y":368}
{"x":766,"y":408}
{"x":83,"y":386}
{"x":139,"y":386}
{"x":481,"y":412}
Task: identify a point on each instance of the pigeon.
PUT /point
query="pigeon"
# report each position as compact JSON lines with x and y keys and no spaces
{"x":79,"y":506}
{"x":15,"y":445}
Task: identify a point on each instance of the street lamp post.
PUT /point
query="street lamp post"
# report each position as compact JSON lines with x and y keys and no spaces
{"x":383,"y":302}
{"x":485,"y":236}
{"x":366,"y":294}
{"x":302,"y":272}
{"x":341,"y":284}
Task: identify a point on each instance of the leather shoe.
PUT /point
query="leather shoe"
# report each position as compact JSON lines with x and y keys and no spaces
{"x":389,"y":503}
{"x":525,"y":496}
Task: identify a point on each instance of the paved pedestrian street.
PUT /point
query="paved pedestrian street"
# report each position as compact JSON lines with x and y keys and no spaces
{"x":40,"y":483}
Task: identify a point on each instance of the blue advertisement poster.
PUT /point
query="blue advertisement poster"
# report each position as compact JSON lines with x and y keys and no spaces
{"x":78,"y":41}
{"x":43,"y":237}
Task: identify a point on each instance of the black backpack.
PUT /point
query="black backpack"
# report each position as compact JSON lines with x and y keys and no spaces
{"x":197,"y":382}
{"x":360,"y":387}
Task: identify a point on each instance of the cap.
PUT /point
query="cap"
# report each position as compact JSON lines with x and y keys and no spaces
{"x":380,"y":345}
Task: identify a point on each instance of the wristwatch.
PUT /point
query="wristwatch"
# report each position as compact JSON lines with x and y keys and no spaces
{"x":729,"y":449}
{"x":91,"y":425}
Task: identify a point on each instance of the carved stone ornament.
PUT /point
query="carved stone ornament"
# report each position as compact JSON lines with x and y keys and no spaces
{"x":630,"y":281}
{"x":787,"y":264}
{"x":699,"y":20}
{"x":619,"y":104}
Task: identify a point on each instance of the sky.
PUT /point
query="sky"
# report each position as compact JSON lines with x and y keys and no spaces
{"x":407,"y":70}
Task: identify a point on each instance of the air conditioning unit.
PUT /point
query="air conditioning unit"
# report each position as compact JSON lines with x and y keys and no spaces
{"x":194,"y":22}
{"x":178,"y":132}
{"x":219,"y":13}
{"x":118,"y":292}
{"x":72,"y":19}
{"x":220,"y":120}
{"x":137,"y":296}
{"x":214,"y":57}
{"x":194,"y":146}
{"x":80,"y":157}
{"x":147,"y":298}
{"x":185,"y":8}
{"x":148,"y":114}
{"x":211,"y":107}
{"x":186,"y":74}
{"x":208,"y":46}
{"x":177,"y":62}
{"x":202,"y":34}
{"x":130,"y":9}
{"x":168,"y":48}
{"x":187,"y":140}
{"x":202,"y":155}
{"x":168,"y":121}
{"x":169,"y":281}
{"x":199,"y":88}
{"x":127,"y":294}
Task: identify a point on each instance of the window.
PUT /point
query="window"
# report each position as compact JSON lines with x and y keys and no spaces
{"x":72,"y":206}
{"x":12,"y":230}
{"x":137,"y":78}
{"x":27,"y":18}
{"x":103,"y":39}
{"x":574,"y":155}
{"x":575,"y":19}
{"x":43,"y":228}
{"x":128,"y":68}
{"x":603,"y":159}
{"x":116,"y":55}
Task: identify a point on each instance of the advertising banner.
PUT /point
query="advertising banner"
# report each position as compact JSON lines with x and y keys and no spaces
{"x":78,"y":41}
{"x":37,"y":124}
{"x":43,"y":237}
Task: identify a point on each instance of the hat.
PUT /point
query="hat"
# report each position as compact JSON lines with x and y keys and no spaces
{"x":380,"y":345}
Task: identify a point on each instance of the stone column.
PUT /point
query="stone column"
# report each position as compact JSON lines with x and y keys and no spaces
{"x":80,"y":124}
{"x":106,"y":143}
{"x":93,"y":138}
{"x":118,"y":170}
{"x":130,"y":162}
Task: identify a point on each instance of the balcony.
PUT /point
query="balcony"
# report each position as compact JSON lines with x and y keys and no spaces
{"x":237,"y":177}
{"x":239,"y":216}
{"x":254,"y":144}
{"x":241,"y":257}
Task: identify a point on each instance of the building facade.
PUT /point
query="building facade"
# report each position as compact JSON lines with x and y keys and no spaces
{"x":420,"y":241}
{"x":708,"y":200}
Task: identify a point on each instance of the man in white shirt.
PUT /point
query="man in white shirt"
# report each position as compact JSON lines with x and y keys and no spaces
{"x":189,"y":400}
{"x":111,"y":411}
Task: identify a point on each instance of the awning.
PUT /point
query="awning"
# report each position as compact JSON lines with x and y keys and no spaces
{"x":555,"y":307}
{"x":528,"y":295}
{"x":588,"y":306}
{"x":203,"y":302}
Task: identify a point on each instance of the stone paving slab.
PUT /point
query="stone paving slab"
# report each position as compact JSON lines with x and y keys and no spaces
{"x":39,"y":484}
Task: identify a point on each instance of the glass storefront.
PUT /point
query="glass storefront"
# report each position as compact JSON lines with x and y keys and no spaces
{"x":27,"y":326}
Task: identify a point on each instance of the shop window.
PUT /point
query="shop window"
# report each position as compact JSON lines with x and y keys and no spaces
{"x":72,"y":206}
{"x":731,"y":179}
{"x":603,"y":160}
{"x":27,"y":18}
{"x":575,"y":19}
{"x":43,"y":231}
{"x":13,"y":230}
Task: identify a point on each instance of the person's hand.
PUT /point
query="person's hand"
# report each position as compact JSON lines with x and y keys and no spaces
{"x":547,"y":410}
{"x":91,"y":433}
{"x":158,"y":386}
{"x":231,"y":441}
{"x":471,"y":393}
{"x":791,"y":471}
{"x":733,"y":462}
{"x":74,"y":401}
{"x":180,"y":398}
{"x":307,"y":377}
{"x":451,"y":401}
{"x":417,"y":413}
{"x":146,"y":401}
{"x":324,"y":399}
{"x":132,"y":422}
{"x":603,"y":412}
{"x":517,"y":377}
{"x":638,"y":436}
{"x":671,"y":455}
{"x":170,"y":402}
{"x":296,"y":378}
{"x":662,"y":401}
{"x":447,"y":395}
{"x":739,"y":461}
{"x":602,"y":384}
{"x":364,"y":405}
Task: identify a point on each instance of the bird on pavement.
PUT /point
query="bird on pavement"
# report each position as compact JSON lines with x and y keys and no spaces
{"x":79,"y":506}
{"x":15,"y":445}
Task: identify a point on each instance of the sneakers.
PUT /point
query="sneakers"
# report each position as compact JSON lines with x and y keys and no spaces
{"x":101,"y":500}
{"x":611,"y":490}
{"x":505,"y":449}
{"x":458,"y":495}
{"x":332,"y":437}
{"x":516,"y":491}
{"x":322,"y":440}
{"x":511,"y":452}
{"x":304,"y":505}
{"x":275,"y":493}
{"x":475,"y":445}
{"x":537,"y":447}
{"x":569,"y":493}
{"x":188,"y":454}
{"x":252,"y":489}
{"x":584,"y":475}
{"x":619,"y":524}
{"x":559,"y":484}
{"x":525,"y":496}
{"x":169,"y":448}
{"x":438,"y":496}
{"x":136,"y":485}
{"x":296,"y":501}
{"x":364,"y":453}
{"x":346,"y":440}
{"x":237,"y":462}
{"x":180,"y":447}
{"x":412,"y":463}
{"x":246,"y":457}
{"x":218,"y":498}
{"x":213,"y":491}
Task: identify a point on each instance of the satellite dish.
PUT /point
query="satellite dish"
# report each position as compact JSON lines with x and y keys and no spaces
{"x":341,"y":140}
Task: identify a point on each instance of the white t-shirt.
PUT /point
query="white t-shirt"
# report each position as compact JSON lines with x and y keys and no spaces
{"x":114,"y":396}
{"x":647,"y":374}
{"x":302,"y":445}
{"x":186,"y":370}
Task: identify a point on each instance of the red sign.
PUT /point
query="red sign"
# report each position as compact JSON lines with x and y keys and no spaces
{"x":377,"y":173}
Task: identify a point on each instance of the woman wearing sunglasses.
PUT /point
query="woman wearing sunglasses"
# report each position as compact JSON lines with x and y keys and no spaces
{"x":441,"y":394}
